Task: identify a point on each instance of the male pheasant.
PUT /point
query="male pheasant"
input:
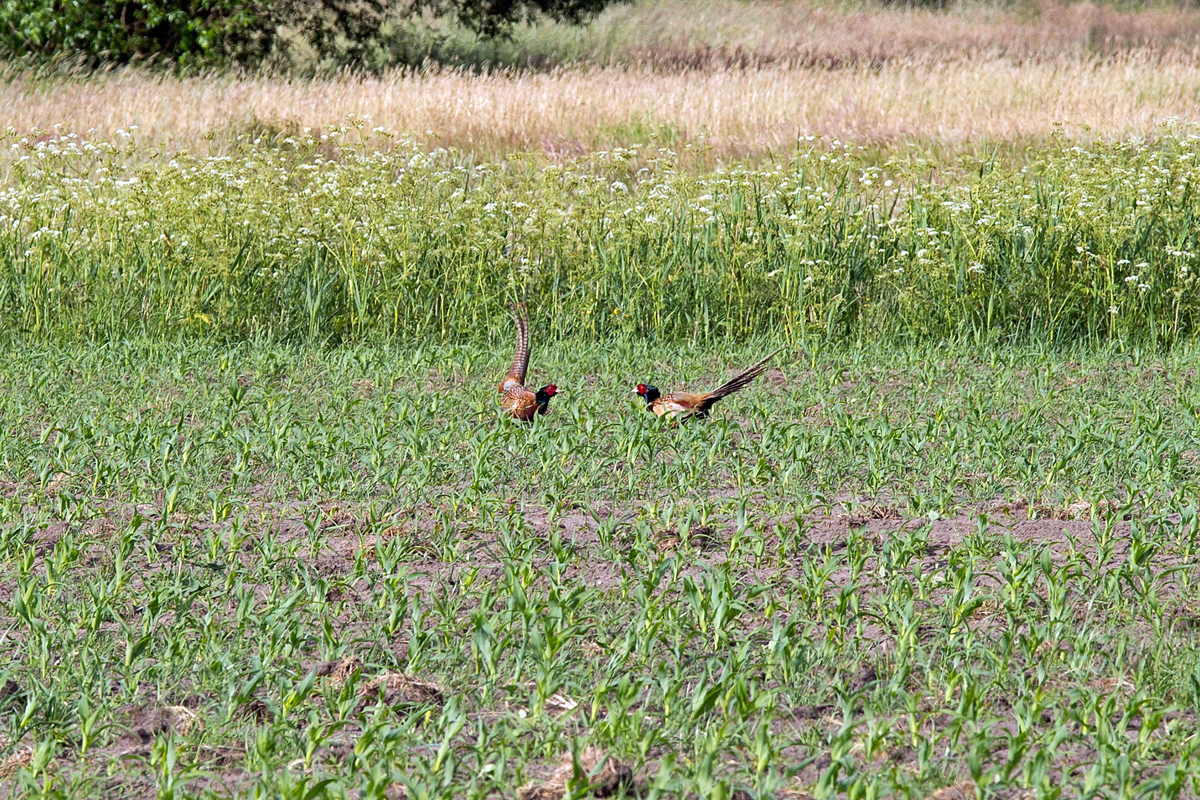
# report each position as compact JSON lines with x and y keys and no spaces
{"x":518,"y":401}
{"x":686,"y":405}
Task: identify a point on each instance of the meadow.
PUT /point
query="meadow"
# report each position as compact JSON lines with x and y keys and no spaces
{"x":330,"y":239}
{"x":746,"y":78}
{"x":264,"y":532}
{"x":755,"y":113}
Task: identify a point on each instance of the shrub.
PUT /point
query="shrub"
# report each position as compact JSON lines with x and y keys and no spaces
{"x":188,"y":32}
{"x":195,"y":33}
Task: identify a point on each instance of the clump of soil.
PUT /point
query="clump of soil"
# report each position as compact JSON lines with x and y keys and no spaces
{"x":605,"y":776}
{"x":10,"y":765}
{"x":147,"y":722}
{"x":959,"y":791}
{"x":700,"y":537}
{"x":340,"y":670}
{"x":397,"y":688}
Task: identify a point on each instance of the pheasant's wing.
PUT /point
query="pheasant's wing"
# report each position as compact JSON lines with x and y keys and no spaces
{"x":520,"y":403}
{"x":677,"y":403}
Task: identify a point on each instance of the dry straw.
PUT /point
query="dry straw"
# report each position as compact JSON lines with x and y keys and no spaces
{"x":568,"y":112}
{"x":744,"y":82}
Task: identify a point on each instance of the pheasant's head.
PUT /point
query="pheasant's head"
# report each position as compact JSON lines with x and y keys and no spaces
{"x":649,"y":393}
{"x":543,"y":396}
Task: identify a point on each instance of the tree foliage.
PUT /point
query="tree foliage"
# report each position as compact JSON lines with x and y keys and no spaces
{"x":196,"y":33}
{"x":496,"y":17}
{"x":185,"y":31}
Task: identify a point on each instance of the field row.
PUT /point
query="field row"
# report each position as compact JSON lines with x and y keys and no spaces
{"x":190,"y":429}
{"x":259,"y":571}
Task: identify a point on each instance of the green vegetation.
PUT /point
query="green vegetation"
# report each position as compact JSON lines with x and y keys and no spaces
{"x":281,"y":240}
{"x":190,"y":532}
{"x":214,"y":33}
{"x":264,"y":533}
{"x":189,"y":32}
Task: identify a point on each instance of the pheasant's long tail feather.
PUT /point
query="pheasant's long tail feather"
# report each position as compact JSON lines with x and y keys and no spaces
{"x":521,"y":358}
{"x":737,"y":382}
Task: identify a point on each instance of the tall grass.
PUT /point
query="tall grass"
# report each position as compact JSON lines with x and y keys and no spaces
{"x":277,"y":239}
{"x":747,"y":76}
{"x":674,"y":34}
{"x":754,"y":112}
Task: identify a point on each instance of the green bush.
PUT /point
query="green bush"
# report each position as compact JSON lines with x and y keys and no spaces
{"x":188,"y":32}
{"x":492,"y":18}
{"x":205,"y":33}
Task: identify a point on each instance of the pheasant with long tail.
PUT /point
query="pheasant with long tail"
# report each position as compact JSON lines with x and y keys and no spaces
{"x":686,"y":405}
{"x":516,"y":399}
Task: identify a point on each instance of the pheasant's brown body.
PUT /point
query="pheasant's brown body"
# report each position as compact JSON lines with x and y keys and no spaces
{"x":685,"y":405}
{"x":677,"y":403}
{"x":520,"y":402}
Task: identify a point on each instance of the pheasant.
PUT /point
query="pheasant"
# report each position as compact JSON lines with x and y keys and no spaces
{"x":518,"y":401}
{"x":686,"y":405}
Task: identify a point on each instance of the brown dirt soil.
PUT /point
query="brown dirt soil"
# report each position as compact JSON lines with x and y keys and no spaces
{"x":605,"y":776}
{"x":348,"y":533}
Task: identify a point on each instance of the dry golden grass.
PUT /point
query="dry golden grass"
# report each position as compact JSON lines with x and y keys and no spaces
{"x":726,"y":32}
{"x":738,"y":112}
{"x":744,"y":78}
